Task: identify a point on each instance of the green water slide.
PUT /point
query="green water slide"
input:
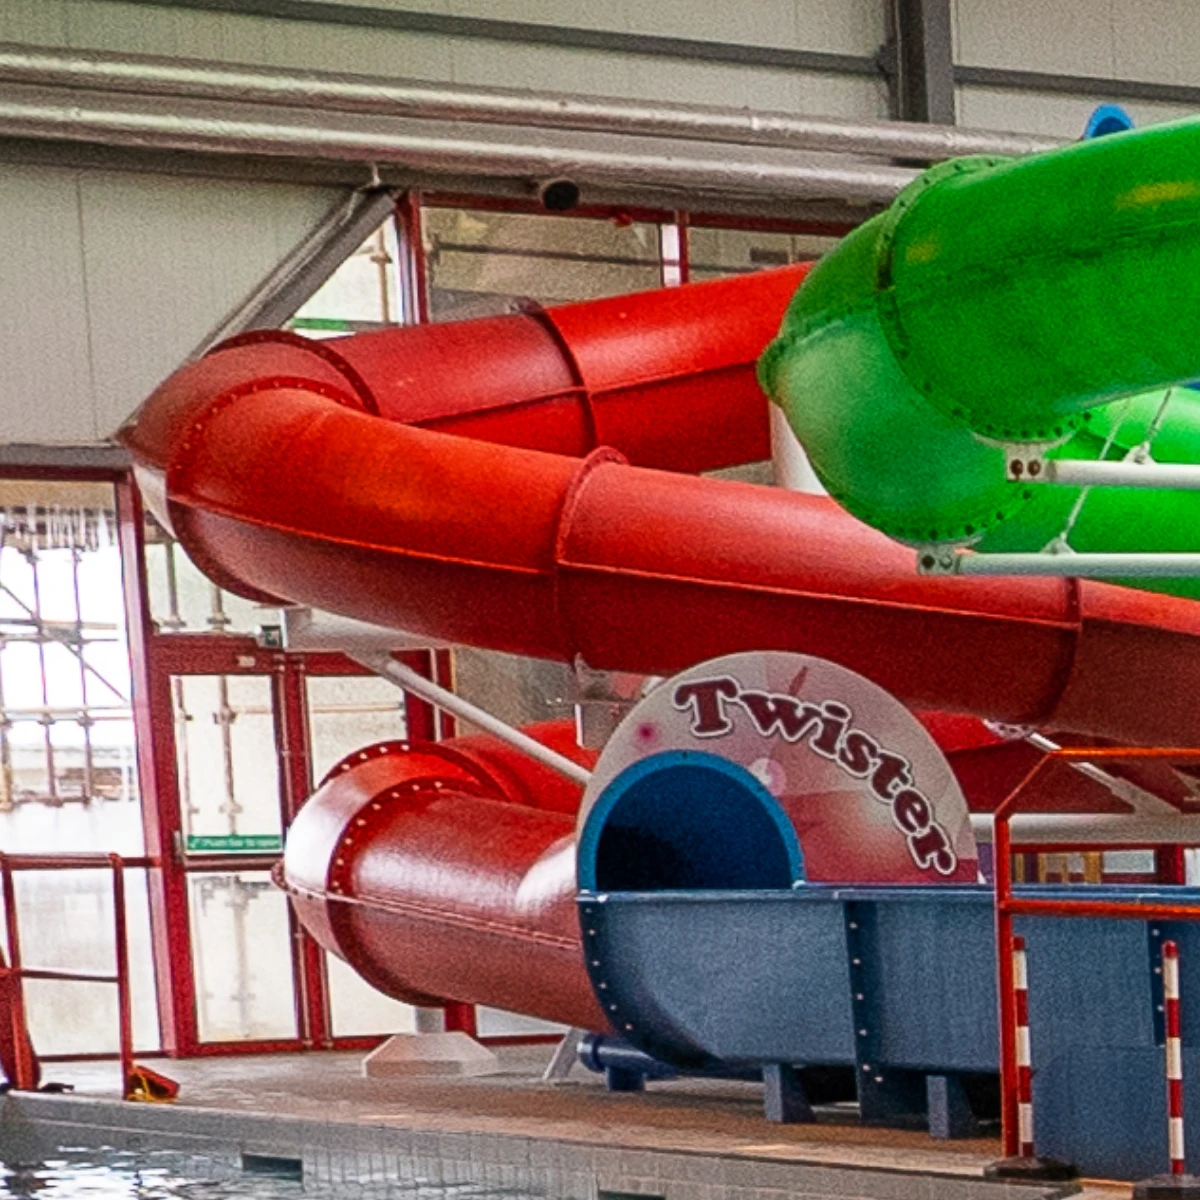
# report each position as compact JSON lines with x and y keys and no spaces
{"x":1050,"y":301}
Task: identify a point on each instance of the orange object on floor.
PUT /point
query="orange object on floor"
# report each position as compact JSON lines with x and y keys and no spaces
{"x":149,"y":1086}
{"x":16,"y":1050}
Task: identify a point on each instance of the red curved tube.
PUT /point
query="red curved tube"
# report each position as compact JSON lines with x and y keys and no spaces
{"x":441,"y":873}
{"x":273,"y":461}
{"x":454,"y":480}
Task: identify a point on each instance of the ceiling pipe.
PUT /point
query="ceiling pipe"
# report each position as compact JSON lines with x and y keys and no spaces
{"x":320,"y":91}
{"x":209,"y":128}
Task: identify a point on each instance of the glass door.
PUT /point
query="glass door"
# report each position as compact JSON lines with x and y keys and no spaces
{"x":251,"y":732}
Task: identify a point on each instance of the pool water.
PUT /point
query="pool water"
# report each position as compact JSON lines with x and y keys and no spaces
{"x":93,"y":1174}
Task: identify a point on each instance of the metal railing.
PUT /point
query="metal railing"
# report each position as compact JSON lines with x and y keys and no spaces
{"x":1009,"y":906}
{"x":25,"y":1064}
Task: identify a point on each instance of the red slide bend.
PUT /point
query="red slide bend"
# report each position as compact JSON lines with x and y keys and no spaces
{"x":527,"y":483}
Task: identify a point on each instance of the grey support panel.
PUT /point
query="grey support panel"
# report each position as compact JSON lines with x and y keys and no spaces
{"x":922,"y":61}
{"x":933,"y":981}
{"x":723,"y":976}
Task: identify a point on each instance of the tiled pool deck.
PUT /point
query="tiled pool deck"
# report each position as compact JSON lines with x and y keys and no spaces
{"x":685,"y":1140}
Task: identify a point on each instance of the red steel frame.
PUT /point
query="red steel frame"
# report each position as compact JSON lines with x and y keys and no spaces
{"x":1009,"y":906}
{"x":172,"y":655}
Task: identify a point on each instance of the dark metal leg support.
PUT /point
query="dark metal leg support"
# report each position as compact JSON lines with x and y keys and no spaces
{"x":949,"y":1110}
{"x":784,"y":1100}
{"x":617,"y":1079}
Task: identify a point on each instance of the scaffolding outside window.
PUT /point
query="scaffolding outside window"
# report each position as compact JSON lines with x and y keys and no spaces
{"x":227,"y":766}
{"x":66,"y":730}
{"x":68,"y":774}
{"x":480,"y":263}
{"x":241,"y":957}
{"x":364,"y":293}
{"x":182,"y":599}
{"x":714,"y":253}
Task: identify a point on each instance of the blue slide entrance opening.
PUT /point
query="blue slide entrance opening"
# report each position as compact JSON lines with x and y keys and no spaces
{"x":687,"y":821}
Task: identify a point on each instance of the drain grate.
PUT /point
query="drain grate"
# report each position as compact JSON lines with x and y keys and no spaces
{"x":273,"y":1165}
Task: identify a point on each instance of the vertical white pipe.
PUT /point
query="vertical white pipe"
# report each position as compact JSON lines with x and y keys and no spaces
{"x":788,"y":458}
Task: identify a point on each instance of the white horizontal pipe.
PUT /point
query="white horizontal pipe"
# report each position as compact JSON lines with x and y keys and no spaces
{"x":1111,"y":830}
{"x":1082,"y":566}
{"x":312,"y":91}
{"x":1086,"y":473}
{"x":447,"y":701}
{"x":119,"y":121}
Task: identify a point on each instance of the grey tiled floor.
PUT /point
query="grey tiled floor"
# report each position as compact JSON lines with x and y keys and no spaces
{"x":707,"y":1115}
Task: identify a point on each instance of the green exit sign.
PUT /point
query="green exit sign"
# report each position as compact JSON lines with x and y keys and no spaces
{"x":236,"y":843}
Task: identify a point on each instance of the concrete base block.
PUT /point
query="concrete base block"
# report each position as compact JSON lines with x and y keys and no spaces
{"x":417,"y":1054}
{"x":1036,"y":1169}
{"x":1168,"y":1187}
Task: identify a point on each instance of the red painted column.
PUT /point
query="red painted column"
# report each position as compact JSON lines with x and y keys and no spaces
{"x":155,"y":739}
{"x":1171,"y":866}
{"x":414,"y":274}
{"x":290,"y":702}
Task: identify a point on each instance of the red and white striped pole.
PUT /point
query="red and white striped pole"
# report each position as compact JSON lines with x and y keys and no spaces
{"x":1024,"y":1056}
{"x":1170,"y":964}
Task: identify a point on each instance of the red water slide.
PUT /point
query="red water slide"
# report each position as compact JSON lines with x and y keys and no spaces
{"x":529,"y":483}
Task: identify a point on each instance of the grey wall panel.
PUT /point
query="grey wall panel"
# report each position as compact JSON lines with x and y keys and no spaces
{"x":359,"y":51}
{"x":124,"y":28}
{"x":1157,"y":40}
{"x":715,"y":83}
{"x":109,"y":280}
{"x":1069,"y":36}
{"x":543,"y":68}
{"x":763,"y":23}
{"x":166,"y":260}
{"x":45,"y":381}
{"x":854,"y":99}
{"x":1054,"y":115}
{"x":848,"y":27}
{"x":39,"y":22}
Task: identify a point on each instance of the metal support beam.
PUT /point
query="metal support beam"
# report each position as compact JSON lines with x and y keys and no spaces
{"x":309,"y":630}
{"x":1060,"y":564}
{"x":74,"y":462}
{"x":408,"y":679}
{"x":565,"y":1055}
{"x":922,"y":83}
{"x":1130,"y":473}
{"x":441,"y":149}
{"x":297,"y":278}
{"x":321,"y":92}
{"x":1092,"y":87}
{"x":1144,"y":803}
